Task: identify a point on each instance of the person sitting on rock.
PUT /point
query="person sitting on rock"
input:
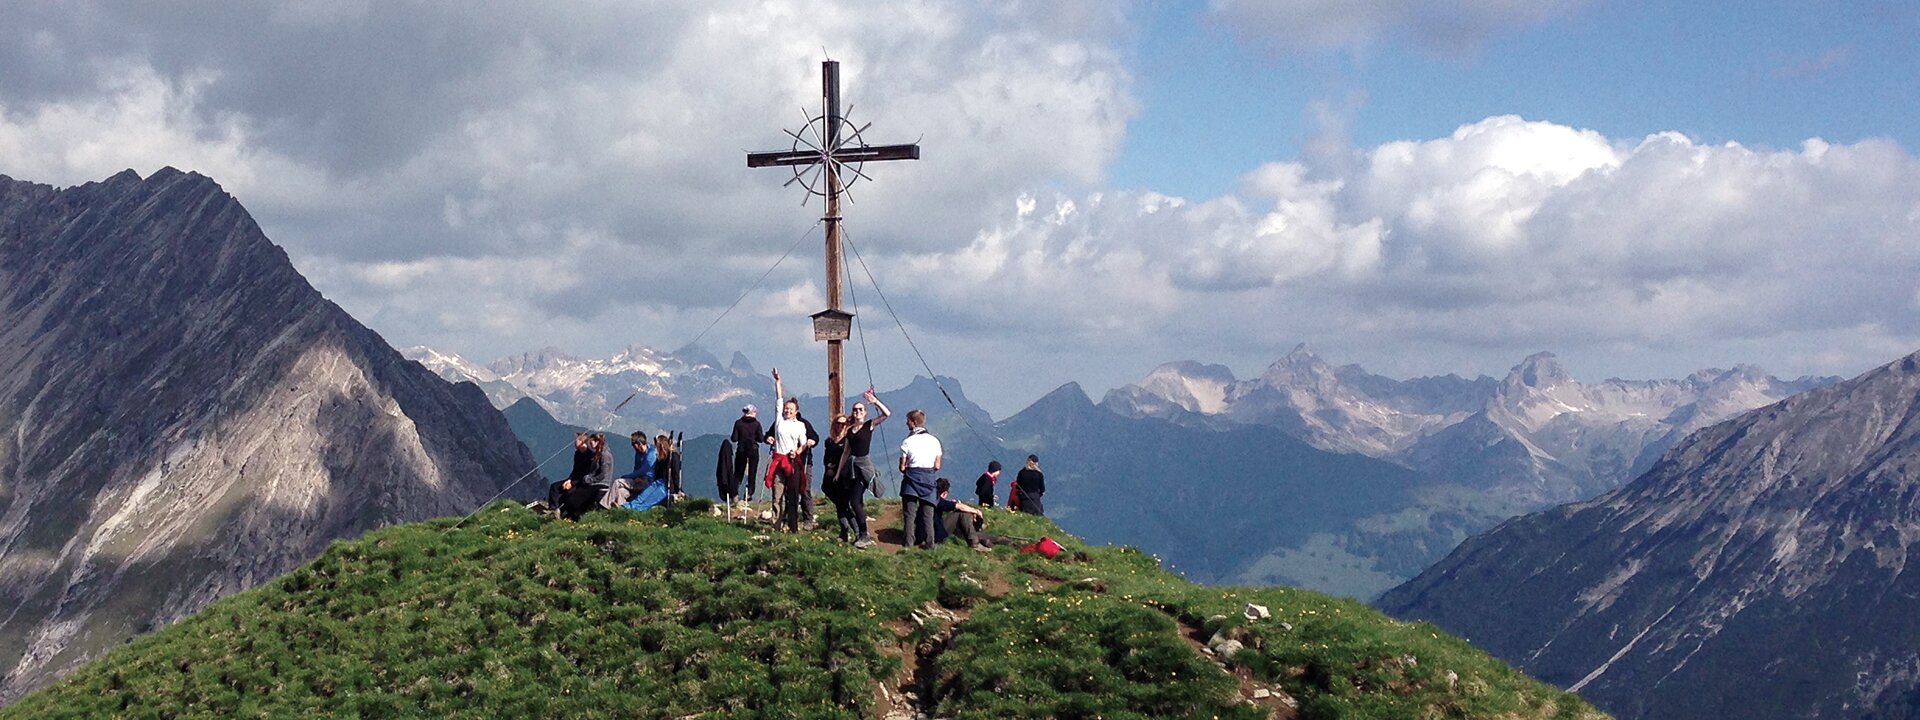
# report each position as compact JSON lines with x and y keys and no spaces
{"x":667,"y":465}
{"x":587,"y":493}
{"x":957,"y":519}
{"x":626,"y":486}
{"x":583,"y":459}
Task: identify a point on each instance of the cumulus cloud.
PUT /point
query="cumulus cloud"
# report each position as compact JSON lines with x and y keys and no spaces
{"x":1443,"y":26}
{"x":548,"y":161}
{"x":493,"y":181}
{"x":1504,"y":237}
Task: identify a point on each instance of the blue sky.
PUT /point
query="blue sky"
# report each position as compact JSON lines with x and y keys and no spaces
{"x":1417,"y":186}
{"x":1767,"y":72}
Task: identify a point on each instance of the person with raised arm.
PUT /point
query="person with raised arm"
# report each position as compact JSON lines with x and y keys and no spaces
{"x":860,"y":446}
{"x":788,"y":436}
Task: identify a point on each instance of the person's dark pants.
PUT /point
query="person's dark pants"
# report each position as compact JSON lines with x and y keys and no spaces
{"x":746,"y":466}
{"x":961,"y":525}
{"x":576,"y":502}
{"x":917,"y":516}
{"x":806,"y":492}
{"x":555,"y":493}
{"x":790,"y":498}
{"x":857,"y":510}
{"x":1030,"y":504}
{"x":850,"y":504}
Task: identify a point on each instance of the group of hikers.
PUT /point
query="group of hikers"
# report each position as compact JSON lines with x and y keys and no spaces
{"x":591,"y":484}
{"x":929,"y":515}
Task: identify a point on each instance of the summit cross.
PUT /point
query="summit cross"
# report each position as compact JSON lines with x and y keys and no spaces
{"x":830,"y":146}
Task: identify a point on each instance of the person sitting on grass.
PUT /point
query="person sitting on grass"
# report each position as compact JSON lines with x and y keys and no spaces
{"x":581,"y":488}
{"x":667,"y":464}
{"x":957,"y":519}
{"x":583,"y":460}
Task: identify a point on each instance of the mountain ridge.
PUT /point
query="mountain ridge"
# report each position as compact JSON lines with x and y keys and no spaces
{"x":1759,"y":569}
{"x":183,"y":416}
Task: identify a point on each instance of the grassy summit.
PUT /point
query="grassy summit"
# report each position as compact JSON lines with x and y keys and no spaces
{"x":672,"y":613}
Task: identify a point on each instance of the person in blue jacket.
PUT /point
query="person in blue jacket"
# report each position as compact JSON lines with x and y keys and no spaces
{"x":626,"y":486}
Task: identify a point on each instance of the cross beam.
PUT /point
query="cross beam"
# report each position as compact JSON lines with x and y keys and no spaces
{"x":867,"y":153}
{"x":835,"y":150}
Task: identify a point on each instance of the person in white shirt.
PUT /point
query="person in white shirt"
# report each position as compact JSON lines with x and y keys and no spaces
{"x":919,"y":467}
{"x":788,"y":436}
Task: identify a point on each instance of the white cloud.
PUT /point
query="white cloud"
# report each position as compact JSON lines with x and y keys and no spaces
{"x":494,"y":181}
{"x":490,"y":157}
{"x":1447,"y":26}
{"x":1507,"y":236}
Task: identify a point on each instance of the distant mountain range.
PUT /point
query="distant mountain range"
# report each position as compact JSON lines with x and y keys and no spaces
{"x":685,"y":388}
{"x":1462,"y":454}
{"x":1537,"y":435}
{"x":1767,"y":567}
{"x":183,"y":417}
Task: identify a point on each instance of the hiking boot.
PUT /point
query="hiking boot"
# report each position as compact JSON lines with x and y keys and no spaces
{"x":982,"y":549}
{"x":862,"y":544}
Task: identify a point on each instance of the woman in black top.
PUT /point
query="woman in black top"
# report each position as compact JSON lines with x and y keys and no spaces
{"x":666,"y":465}
{"x":840,"y":485}
{"x":1031,"y":484}
{"x":584,"y":459}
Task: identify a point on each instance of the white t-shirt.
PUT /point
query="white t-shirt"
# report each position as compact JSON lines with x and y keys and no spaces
{"x":788,"y":435}
{"x":920,"y":449}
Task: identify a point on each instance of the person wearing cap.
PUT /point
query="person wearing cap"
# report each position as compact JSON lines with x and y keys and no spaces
{"x":747,"y":436}
{"x":919,"y":468}
{"x":1028,"y":486}
{"x":985,"y":486}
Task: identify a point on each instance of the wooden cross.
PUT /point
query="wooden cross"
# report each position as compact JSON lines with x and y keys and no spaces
{"x":836,"y":150}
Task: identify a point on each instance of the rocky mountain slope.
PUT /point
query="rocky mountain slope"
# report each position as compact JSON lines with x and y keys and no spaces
{"x":183,"y":417}
{"x":1538,"y":434}
{"x":673,"y":613}
{"x":1767,"y":567}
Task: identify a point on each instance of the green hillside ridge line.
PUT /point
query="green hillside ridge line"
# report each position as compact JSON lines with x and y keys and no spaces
{"x":673,"y":613}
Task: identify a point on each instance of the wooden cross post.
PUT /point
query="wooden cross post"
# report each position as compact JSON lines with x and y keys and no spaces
{"x":837,"y":149}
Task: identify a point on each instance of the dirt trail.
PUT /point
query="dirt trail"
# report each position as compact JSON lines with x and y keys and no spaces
{"x":903,"y":697}
{"x":882,"y":520}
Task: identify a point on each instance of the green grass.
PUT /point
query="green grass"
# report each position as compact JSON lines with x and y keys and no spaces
{"x":671,"y":613}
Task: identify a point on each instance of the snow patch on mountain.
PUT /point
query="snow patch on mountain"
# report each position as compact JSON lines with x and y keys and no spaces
{"x":1538,"y":431}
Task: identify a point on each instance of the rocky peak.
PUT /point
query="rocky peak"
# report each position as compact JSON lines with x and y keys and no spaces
{"x":531,"y":361}
{"x":1300,"y":368}
{"x":740,"y":366}
{"x":1541,"y":370}
{"x":251,"y":421}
